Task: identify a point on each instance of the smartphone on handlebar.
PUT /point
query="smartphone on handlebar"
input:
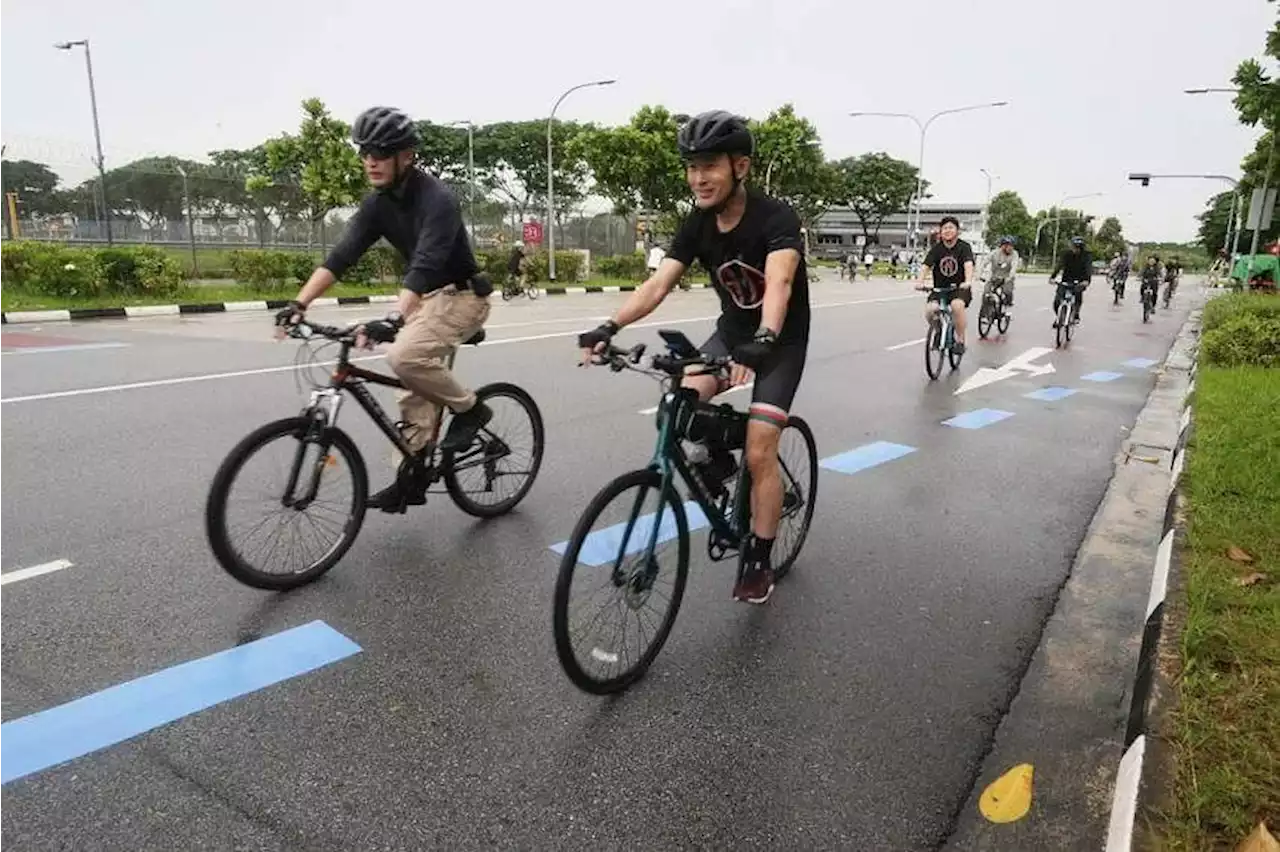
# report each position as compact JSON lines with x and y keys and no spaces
{"x":678,"y":344}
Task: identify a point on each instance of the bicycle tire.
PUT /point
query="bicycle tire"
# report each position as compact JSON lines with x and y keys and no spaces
{"x":1147,"y":308}
{"x":1063,"y":330}
{"x":932,"y":344}
{"x":219,"y":490}
{"x":646,"y":478}
{"x":459,"y":495}
{"x":954,"y":358}
{"x":783,"y":565}
{"x":986,"y":318}
{"x":507,"y":294}
{"x":1002,"y":324}
{"x":532,"y":292}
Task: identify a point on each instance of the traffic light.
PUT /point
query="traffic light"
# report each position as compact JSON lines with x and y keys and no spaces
{"x":1143,"y":177}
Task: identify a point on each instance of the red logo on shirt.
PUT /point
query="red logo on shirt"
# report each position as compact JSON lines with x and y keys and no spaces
{"x":743,"y":283}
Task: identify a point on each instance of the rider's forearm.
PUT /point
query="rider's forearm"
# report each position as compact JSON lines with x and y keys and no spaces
{"x":640,"y":303}
{"x":408,"y":302}
{"x":320,"y":280}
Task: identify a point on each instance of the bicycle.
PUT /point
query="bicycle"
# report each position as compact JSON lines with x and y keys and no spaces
{"x":512,"y":289}
{"x":315,"y":448}
{"x":1170,"y":285}
{"x":1068,"y":316}
{"x":1148,"y":301}
{"x":1117,"y":287}
{"x":628,"y":549}
{"x":941,"y":338}
{"x":992,"y":312}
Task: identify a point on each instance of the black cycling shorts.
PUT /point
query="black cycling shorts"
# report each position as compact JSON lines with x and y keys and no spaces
{"x":963,"y":293}
{"x":775,"y":383}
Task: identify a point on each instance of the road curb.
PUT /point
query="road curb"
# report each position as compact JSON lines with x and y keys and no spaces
{"x":78,"y":314}
{"x":1147,"y":689}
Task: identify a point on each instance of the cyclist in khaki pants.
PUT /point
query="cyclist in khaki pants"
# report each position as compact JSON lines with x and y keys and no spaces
{"x":443,"y":301}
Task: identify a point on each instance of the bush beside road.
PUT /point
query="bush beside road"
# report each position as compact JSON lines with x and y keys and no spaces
{"x":1224,"y":732}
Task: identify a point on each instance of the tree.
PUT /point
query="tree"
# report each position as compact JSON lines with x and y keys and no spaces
{"x":787,"y":151}
{"x":511,"y":158}
{"x":1108,"y":240}
{"x":1071,"y":223}
{"x":36,"y":186}
{"x":1007,"y":216}
{"x":1213,"y":222}
{"x":327,"y":168}
{"x":636,"y":166}
{"x":875,"y":186}
{"x":150,"y":190}
{"x":442,"y":148}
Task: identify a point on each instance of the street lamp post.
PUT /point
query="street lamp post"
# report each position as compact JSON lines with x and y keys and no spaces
{"x":986,"y":210}
{"x":551,"y":204}
{"x":1053,"y":249}
{"x":191,"y":222}
{"x":97,"y":133}
{"x":924,"y":128}
{"x":471,"y":174}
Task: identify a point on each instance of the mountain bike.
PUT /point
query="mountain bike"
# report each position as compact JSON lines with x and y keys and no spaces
{"x":992,"y":312}
{"x":308,"y":460}
{"x":638,"y":521}
{"x":1068,"y":315}
{"x":940,"y":342}
{"x":1149,"y":301}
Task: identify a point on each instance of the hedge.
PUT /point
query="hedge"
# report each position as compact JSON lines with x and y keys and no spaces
{"x":275,"y":270}
{"x":52,"y":269}
{"x":568,"y":265}
{"x":626,"y":266}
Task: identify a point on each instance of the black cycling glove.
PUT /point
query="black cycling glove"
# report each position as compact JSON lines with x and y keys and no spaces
{"x":600,"y":334}
{"x":757,"y":352}
{"x":285,"y":317}
{"x":384,"y":330}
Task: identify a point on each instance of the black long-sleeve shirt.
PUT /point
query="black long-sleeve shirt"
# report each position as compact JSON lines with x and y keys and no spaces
{"x":422,"y":220}
{"x":1074,"y":266}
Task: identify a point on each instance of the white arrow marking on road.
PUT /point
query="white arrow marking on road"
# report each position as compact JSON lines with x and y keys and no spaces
{"x":987,"y":375}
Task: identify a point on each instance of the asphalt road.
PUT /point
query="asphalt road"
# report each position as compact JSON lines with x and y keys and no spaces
{"x":850,"y":713}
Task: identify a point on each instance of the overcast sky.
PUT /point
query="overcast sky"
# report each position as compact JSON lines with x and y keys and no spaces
{"x":1095,"y":86}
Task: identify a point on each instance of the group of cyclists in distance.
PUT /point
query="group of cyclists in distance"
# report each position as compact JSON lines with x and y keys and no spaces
{"x":751,"y":244}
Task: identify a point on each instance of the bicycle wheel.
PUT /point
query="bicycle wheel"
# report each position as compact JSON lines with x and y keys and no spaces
{"x":1148,"y":305}
{"x":507,"y":293}
{"x":933,"y":354}
{"x":1063,"y":327}
{"x":611,"y":539}
{"x":798,"y":456}
{"x":954,"y":357}
{"x":300,"y":452}
{"x":494,"y":474}
{"x":986,"y":318}
{"x":1002,"y":324}
{"x":532,"y":291}
{"x":1115,"y":294}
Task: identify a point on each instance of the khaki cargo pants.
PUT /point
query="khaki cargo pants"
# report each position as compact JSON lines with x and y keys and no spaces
{"x":444,"y":319}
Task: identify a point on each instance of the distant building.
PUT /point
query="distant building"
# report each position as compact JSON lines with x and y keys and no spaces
{"x":838,"y":231}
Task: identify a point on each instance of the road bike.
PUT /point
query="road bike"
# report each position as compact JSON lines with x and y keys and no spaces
{"x":638,"y":521}
{"x":1149,"y":301}
{"x":940,"y":342}
{"x":1068,"y":314}
{"x":993,"y":312}
{"x":306,"y":460}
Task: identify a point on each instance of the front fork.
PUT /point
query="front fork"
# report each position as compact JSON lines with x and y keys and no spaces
{"x":322,"y":415}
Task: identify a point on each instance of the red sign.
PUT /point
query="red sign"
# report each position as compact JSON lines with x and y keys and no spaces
{"x":533,"y":233}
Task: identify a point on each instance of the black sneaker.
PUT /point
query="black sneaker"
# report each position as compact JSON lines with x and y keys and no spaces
{"x":755,"y":585}
{"x":464,"y":426}
{"x":958,"y":347}
{"x":393,"y":498}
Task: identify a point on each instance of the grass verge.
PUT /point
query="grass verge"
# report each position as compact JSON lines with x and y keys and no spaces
{"x":192,"y":294}
{"x":1225,"y":731}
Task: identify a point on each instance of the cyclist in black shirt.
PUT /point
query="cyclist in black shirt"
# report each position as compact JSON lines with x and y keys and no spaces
{"x":949,"y":268}
{"x":443,"y":301}
{"x":753,"y":247}
{"x":1076,"y":266}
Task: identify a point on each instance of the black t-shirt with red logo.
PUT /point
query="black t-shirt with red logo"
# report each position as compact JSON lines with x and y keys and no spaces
{"x":948,"y":263}
{"x":736,"y":262}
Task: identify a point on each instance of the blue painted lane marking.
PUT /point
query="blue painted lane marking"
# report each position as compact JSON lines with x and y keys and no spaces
{"x":1052,"y":394}
{"x":977,"y":419}
{"x":868,"y":455}
{"x":1102,"y":376}
{"x":121,"y":712}
{"x":601,"y":546}
{"x":1140,"y":362}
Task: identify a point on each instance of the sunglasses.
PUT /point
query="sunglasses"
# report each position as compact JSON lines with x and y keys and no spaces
{"x":377,"y":152}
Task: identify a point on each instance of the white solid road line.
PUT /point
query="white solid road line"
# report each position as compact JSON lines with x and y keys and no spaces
{"x":34,"y":571}
{"x":72,"y":347}
{"x":897,"y":346}
{"x":183,"y":380}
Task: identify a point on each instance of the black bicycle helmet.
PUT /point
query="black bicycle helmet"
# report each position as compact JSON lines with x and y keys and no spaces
{"x":716,"y":132}
{"x":386,"y":128}
{"x":1077,"y":241}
